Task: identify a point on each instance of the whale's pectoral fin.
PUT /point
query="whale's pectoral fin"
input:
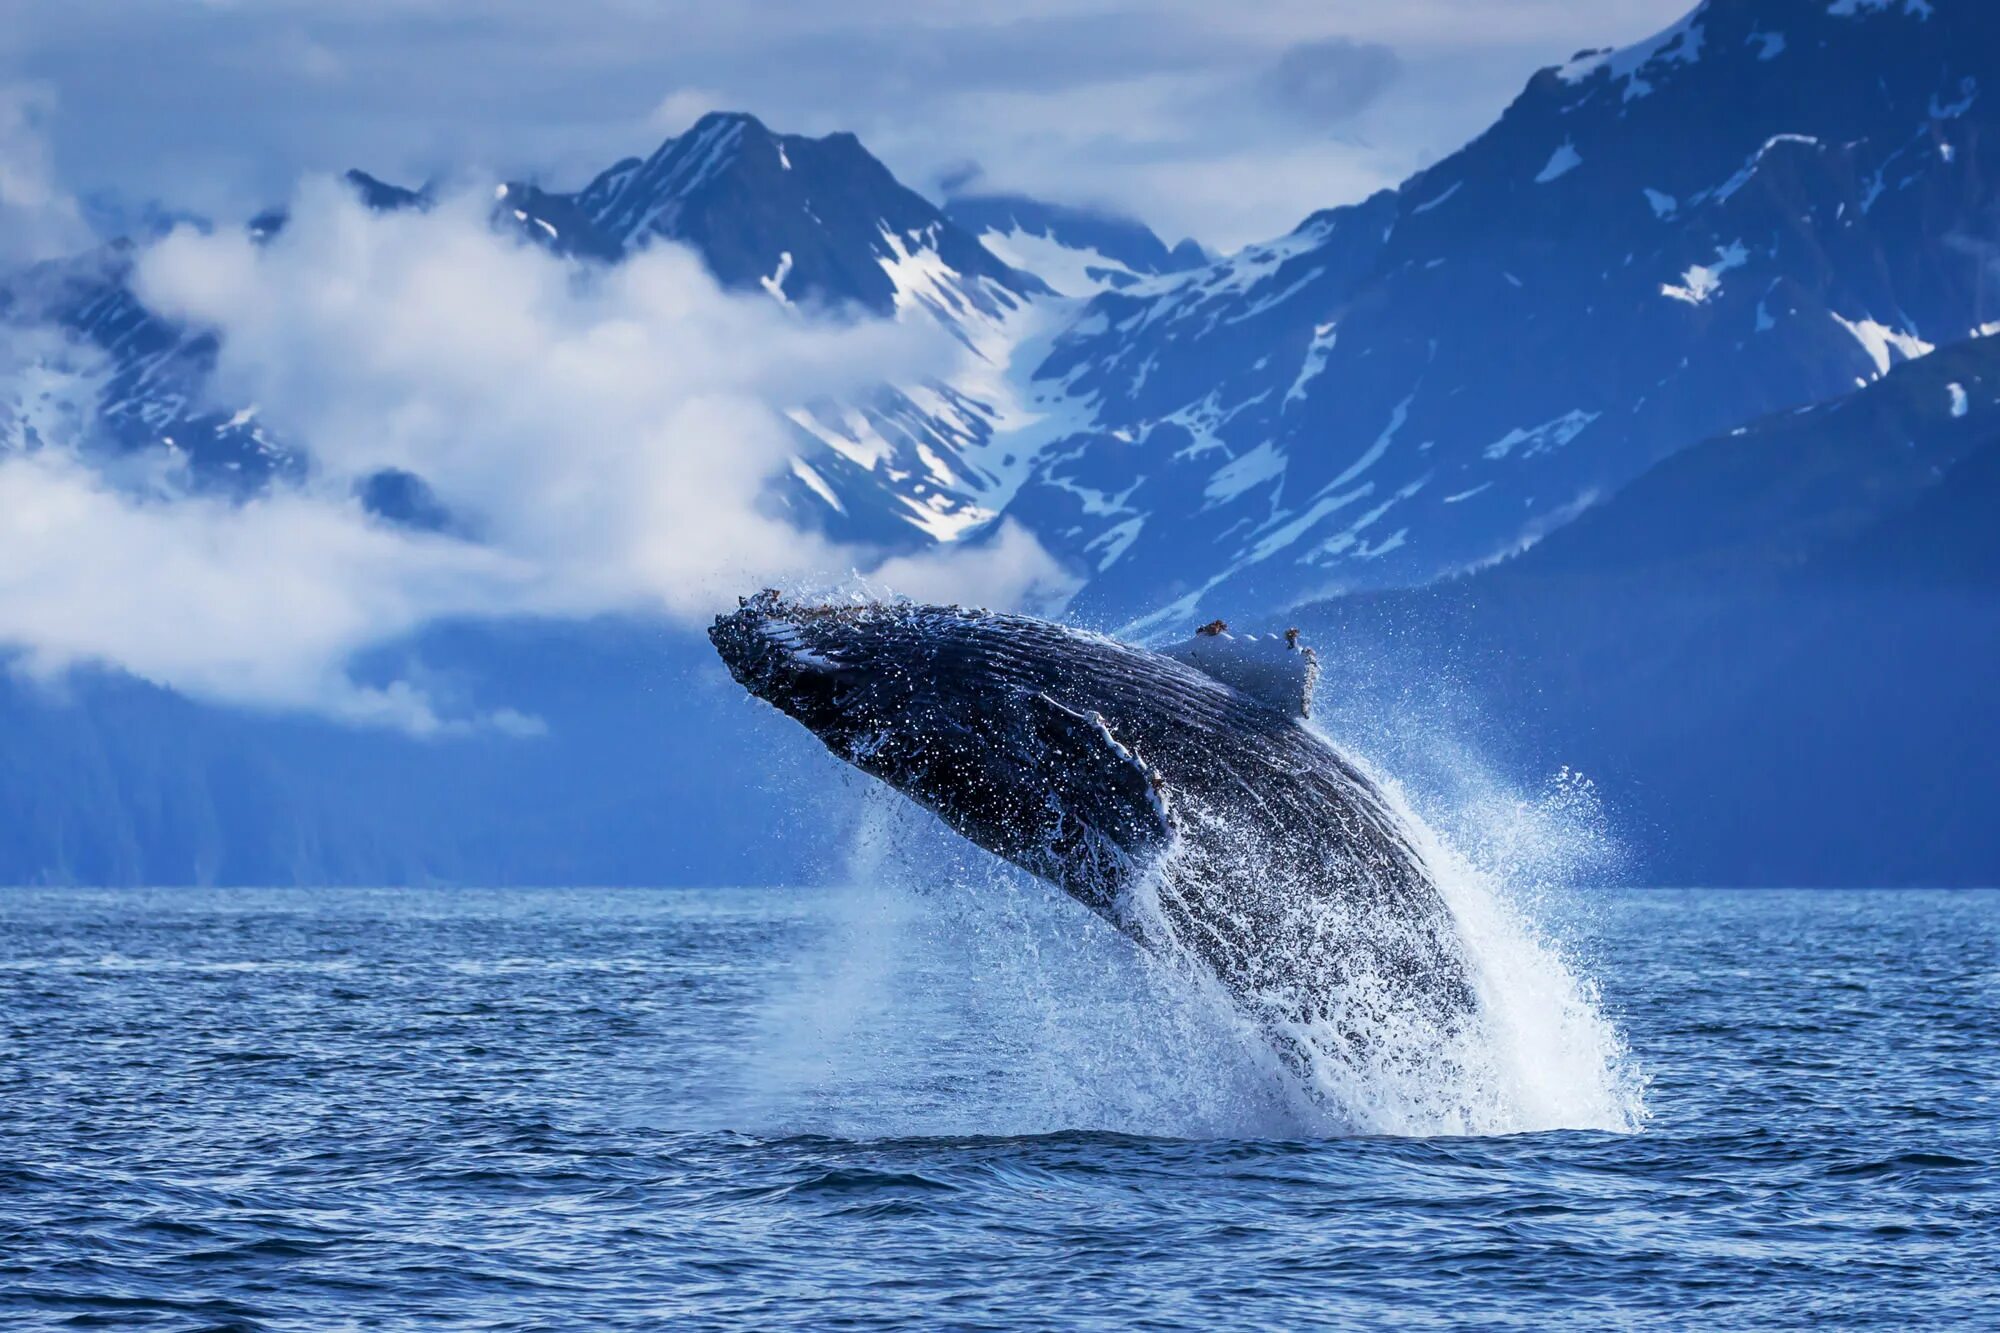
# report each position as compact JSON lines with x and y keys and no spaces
{"x":1119,"y":794}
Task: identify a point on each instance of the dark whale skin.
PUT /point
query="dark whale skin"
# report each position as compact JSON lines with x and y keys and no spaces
{"x":1185,"y":813}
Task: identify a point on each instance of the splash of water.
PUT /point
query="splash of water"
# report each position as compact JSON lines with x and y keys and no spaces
{"x":953,"y":995}
{"x":1541,"y":1054}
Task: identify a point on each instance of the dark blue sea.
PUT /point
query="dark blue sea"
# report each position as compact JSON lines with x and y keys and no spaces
{"x":886,"y":1107}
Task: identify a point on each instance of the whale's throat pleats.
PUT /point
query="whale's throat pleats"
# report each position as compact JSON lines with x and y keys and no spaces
{"x":1274,"y":669}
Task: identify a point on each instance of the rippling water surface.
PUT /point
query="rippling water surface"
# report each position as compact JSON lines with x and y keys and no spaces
{"x":747,"y":1108}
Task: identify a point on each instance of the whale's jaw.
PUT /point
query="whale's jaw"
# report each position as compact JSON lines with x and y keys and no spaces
{"x":935,"y":701}
{"x":761,"y":644}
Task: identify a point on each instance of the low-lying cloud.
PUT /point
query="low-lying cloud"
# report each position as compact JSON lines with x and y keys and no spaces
{"x":259,"y":604}
{"x":604,"y":439}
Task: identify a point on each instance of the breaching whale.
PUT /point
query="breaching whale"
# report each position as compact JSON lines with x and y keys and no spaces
{"x":1184,"y":801}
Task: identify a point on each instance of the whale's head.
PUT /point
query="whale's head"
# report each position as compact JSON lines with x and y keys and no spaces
{"x":993,"y":722}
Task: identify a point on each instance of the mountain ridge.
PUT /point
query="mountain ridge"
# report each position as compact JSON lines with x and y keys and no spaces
{"x":1645,"y":248}
{"x":1649,"y":245}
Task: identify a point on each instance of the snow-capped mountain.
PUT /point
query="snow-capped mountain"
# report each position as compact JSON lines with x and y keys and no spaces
{"x":1794,"y":490}
{"x":141,"y":380}
{"x":805,"y":219}
{"x":822,"y":222}
{"x":1762,"y":206}
{"x":812,"y":222}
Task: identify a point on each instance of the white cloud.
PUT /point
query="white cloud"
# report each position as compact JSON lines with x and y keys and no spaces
{"x":993,"y":574}
{"x":603,"y":436}
{"x":259,"y":604}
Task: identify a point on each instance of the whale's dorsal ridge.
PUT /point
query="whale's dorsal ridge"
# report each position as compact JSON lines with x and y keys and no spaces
{"x":1274,"y":669}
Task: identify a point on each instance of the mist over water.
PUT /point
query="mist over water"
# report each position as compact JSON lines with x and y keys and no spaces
{"x":955,"y":995}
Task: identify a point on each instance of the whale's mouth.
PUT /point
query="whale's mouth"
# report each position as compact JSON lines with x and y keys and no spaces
{"x":803,"y":658}
{"x":763,"y":641}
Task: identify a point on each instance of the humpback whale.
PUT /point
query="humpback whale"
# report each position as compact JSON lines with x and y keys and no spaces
{"x":1179,"y":796}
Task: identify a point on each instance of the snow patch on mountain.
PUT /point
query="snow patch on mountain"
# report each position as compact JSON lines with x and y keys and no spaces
{"x":1439,"y":200}
{"x":1317,"y":351}
{"x":677,"y":170}
{"x":1564,"y":160}
{"x":1263,"y":464}
{"x":1252,"y":265}
{"x":775,"y":284}
{"x":1398,"y":418}
{"x":1968,"y":93}
{"x":852,"y":435}
{"x":1702,"y":282}
{"x":817,"y":484}
{"x":1072,"y":270}
{"x":1722,"y":192}
{"x":1883,"y":343}
{"x":1680,"y":43}
{"x":922,"y":280}
{"x":1545,"y":438}
{"x":1114,"y":541}
{"x":1285,"y":533}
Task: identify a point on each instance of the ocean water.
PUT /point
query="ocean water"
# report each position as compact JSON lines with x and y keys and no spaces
{"x":968,"y":1105}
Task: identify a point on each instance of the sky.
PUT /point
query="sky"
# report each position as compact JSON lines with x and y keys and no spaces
{"x":1227,"y":122}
